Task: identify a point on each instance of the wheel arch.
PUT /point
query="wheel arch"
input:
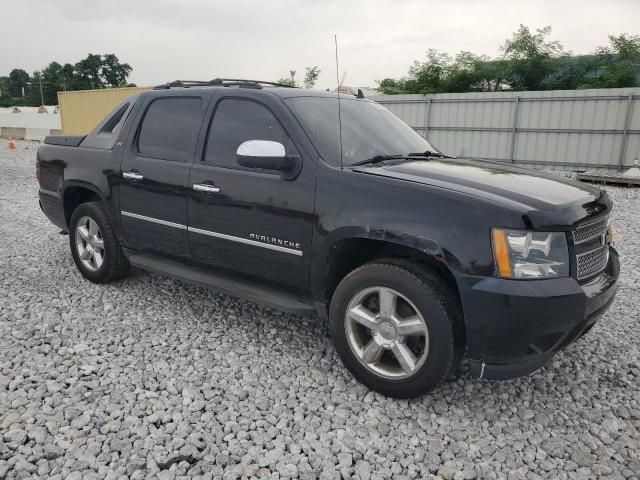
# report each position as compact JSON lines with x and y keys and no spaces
{"x":75,"y":193}
{"x":348,"y":253}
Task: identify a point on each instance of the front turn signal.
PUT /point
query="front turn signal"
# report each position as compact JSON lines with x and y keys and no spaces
{"x":501,"y":252}
{"x":609,"y":236}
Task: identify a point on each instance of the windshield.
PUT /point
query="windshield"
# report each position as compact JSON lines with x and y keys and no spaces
{"x":368,"y":129}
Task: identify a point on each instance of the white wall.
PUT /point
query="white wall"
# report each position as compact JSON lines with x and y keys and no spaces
{"x":34,"y":125}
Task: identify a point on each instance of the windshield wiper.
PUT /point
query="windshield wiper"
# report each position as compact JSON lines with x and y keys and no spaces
{"x":376,"y":159}
{"x":409,"y":156}
{"x":430,"y":153}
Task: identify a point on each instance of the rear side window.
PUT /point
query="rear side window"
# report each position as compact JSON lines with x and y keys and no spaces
{"x":236,"y":121}
{"x":170,"y":128}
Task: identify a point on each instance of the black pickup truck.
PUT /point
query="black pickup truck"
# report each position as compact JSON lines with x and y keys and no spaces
{"x":309,"y":203}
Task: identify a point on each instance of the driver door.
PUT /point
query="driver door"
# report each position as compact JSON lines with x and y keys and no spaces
{"x":246,"y":220}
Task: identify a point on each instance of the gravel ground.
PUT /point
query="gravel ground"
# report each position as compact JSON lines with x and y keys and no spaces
{"x":153,"y":378}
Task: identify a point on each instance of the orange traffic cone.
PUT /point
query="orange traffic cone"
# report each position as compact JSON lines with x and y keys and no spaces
{"x":12,"y":144}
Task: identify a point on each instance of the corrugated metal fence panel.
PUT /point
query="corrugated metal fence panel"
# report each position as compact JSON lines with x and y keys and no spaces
{"x":82,"y":110}
{"x":569,"y":128}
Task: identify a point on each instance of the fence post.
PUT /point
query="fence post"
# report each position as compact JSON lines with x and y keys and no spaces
{"x":625,"y":133}
{"x":514,"y":129}
{"x":426,"y":127}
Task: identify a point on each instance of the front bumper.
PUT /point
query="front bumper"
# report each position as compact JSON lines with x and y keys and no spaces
{"x":514,"y":327}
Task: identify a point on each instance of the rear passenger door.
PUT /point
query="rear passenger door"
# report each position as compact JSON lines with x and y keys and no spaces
{"x":253,"y":222}
{"x":155,"y":172}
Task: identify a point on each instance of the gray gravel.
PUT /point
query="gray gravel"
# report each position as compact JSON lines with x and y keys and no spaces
{"x":153,"y":378}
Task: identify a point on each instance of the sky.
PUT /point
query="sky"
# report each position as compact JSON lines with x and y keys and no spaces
{"x":264,"y":40}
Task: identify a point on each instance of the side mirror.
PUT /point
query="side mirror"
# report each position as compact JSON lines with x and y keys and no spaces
{"x":267,"y":155}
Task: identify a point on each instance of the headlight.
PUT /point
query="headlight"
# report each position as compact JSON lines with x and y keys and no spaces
{"x":525,"y":254}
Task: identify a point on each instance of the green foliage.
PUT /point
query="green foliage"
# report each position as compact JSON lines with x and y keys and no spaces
{"x":531,"y":58}
{"x":6,"y":102}
{"x":524,"y":45}
{"x":4,"y":87}
{"x":113,"y":72}
{"x":311,"y":76}
{"x":18,"y":80}
{"x":286,"y":81}
{"x":618,"y":63}
{"x":529,"y":61}
{"x":440,"y":73}
{"x":94,"y":71}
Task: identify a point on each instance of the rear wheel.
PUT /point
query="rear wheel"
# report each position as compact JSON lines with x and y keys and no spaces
{"x":94,"y":245}
{"x":393,"y":326}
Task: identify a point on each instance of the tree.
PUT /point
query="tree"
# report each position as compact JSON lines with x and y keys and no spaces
{"x":18,"y":82}
{"x":34,"y":97}
{"x":53,"y":81}
{"x":94,"y":71}
{"x":311,"y":76}
{"x":624,"y":46}
{"x":114,"y":73}
{"x":524,"y":45}
{"x":68,"y":74}
{"x":471,"y":72}
{"x":530,"y":60}
{"x":4,"y":86}
{"x":429,"y":76}
{"x":440,"y":73}
{"x":100,"y":71}
{"x":286,"y":81}
{"x":88,"y":72}
{"x":619,"y":63}
{"x":391,"y":86}
{"x":531,"y":57}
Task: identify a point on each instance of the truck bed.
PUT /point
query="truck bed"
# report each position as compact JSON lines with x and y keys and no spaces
{"x":64,"y":140}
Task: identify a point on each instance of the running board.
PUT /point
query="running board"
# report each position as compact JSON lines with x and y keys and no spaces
{"x":228,"y":284}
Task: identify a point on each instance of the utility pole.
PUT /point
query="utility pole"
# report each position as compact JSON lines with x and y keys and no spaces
{"x":41,"y":94}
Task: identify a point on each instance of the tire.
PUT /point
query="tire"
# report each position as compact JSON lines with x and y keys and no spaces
{"x":426,"y":319}
{"x":91,"y":237}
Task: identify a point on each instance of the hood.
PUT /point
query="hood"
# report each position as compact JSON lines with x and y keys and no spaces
{"x":545,"y":198}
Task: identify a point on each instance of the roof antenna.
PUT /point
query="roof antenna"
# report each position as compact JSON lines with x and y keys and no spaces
{"x":335,"y":39}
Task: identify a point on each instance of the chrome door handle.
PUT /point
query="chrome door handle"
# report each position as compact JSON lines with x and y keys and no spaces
{"x":206,"y":188}
{"x":132,"y":175}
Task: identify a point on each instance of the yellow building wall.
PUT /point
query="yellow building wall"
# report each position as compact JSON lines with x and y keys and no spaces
{"x":82,"y":110}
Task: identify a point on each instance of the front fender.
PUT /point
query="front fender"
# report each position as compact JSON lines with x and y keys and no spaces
{"x":323,"y":257}
{"x":451,"y":227}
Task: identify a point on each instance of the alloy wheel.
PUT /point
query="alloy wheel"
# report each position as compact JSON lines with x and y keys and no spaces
{"x":386,"y":333}
{"x":89,"y":243}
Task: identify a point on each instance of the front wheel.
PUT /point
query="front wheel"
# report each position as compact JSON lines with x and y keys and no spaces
{"x":394,"y":327}
{"x":94,"y":245}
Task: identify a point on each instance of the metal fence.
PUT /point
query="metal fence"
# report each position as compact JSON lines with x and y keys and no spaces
{"x":575,"y":129}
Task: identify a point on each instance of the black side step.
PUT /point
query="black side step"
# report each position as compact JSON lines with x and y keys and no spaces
{"x":220,"y":282}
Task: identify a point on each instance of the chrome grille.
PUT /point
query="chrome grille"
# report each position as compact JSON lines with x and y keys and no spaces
{"x":593,"y":262}
{"x":585,"y":232}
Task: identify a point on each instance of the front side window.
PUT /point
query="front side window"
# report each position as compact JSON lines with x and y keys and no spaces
{"x":235,"y":121}
{"x":169,"y":130}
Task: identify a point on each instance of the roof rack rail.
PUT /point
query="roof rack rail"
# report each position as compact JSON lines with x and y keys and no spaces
{"x":219,"y":82}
